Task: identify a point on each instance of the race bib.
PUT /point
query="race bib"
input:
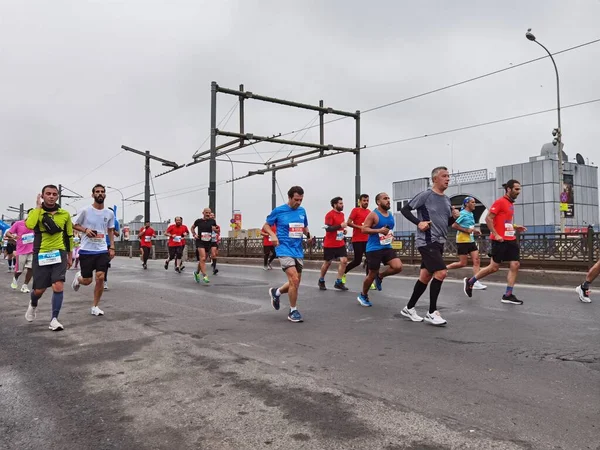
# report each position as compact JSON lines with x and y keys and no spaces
{"x":509,"y":230}
{"x":386,"y":239}
{"x":176,"y":238}
{"x":296,"y":230}
{"x":49,"y":258}
{"x":27,"y":238}
{"x":99,"y":238}
{"x":205,"y":236}
{"x":270,"y":238}
{"x":339,"y":236}
{"x":148,"y":238}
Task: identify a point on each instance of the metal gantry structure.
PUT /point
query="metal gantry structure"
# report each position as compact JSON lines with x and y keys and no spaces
{"x":242,"y":139}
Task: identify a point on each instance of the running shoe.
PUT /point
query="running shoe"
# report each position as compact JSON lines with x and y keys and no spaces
{"x":265,"y":268}
{"x":322,"y":286}
{"x":14,"y":284}
{"x":435,"y":318}
{"x":205,"y":279}
{"x":177,"y":269}
{"x":166,"y":265}
{"x":30,"y":314}
{"x":373,"y":287}
{"x":270,"y":267}
{"x":216,"y":271}
{"x":274,"y":298}
{"x":584,"y":294}
{"x":411,"y":314}
{"x":378,"y":282}
{"x":295,"y":316}
{"x":25,"y":289}
{"x":511,"y":299}
{"x":364,"y":300}
{"x":344,"y":279}
{"x":196,"y":277}
{"x":75,"y":284}
{"x":181,"y":268}
{"x":145,"y":266}
{"x":341,"y":286}
{"x":106,"y":285}
{"x":95,"y":311}
{"x":55,"y":325}
{"x":467,"y":287}
{"x":478,"y":286}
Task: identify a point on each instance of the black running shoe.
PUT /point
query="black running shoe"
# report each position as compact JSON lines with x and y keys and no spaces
{"x":468,"y":288}
{"x":144,"y":266}
{"x":216,"y":271}
{"x":322,"y":286}
{"x":166,"y":265}
{"x":177,"y":269}
{"x":511,"y":299}
{"x":340,"y":286}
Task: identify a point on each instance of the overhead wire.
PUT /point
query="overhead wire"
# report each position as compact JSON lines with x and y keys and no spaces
{"x":93,"y":170}
{"x":155,"y":197}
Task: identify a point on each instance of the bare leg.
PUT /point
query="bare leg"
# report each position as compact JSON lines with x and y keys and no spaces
{"x":291,"y":286}
{"x":325,"y":268}
{"x":511,"y":278}
{"x":462,"y":262}
{"x":98,"y":288}
{"x":476,"y":261}
{"x":369,"y":281}
{"x":394,"y":267}
{"x":342,"y":267}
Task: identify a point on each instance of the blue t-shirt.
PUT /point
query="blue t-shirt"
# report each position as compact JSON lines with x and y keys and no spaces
{"x":290,"y":230}
{"x":117,"y":229}
{"x":379,"y":241}
{"x":465,"y":220}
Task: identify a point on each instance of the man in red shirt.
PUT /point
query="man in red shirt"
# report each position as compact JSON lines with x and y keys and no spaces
{"x":176,"y":233}
{"x":505,"y":247}
{"x":145,"y":236}
{"x":334,"y":244}
{"x":268,"y":247}
{"x":356,"y":219}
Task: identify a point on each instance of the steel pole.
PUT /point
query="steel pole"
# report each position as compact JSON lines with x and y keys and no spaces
{"x":147,"y":189}
{"x":212,"y":183}
{"x":357,"y":156}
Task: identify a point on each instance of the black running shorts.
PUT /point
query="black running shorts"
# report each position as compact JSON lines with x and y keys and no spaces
{"x":176,"y":252}
{"x":378,"y":257}
{"x":45,"y":276}
{"x":505,"y":251}
{"x":331,"y":253}
{"x":99,"y":262}
{"x":432,"y":257}
{"x":466,"y":248}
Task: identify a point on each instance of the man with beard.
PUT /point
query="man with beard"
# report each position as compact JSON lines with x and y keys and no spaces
{"x":203,"y":230}
{"x":379,"y":226}
{"x":176,"y":233}
{"x":145,"y":236}
{"x":435,"y":214}
{"x":96,"y":224}
{"x":52,"y":244}
{"x":505,"y":247}
{"x":334,"y":244}
{"x":356,"y":220}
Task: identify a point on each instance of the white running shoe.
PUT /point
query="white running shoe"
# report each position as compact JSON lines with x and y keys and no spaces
{"x":14,"y":284}
{"x":584,"y":296}
{"x":435,"y":319}
{"x":55,"y":325}
{"x":25,"y":289}
{"x":106,"y":285}
{"x":96,"y":311}
{"x":30,"y":314}
{"x":411,"y":314}
{"x":479,"y":286}
{"x":75,"y":284}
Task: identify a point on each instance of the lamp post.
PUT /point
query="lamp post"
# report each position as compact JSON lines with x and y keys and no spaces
{"x":557,"y":132}
{"x":122,"y":204}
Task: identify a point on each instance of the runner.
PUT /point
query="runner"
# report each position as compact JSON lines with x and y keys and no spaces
{"x":505,"y":247}
{"x":292,"y":224}
{"x":176,"y":233}
{"x":9,"y":253}
{"x":334,"y":244}
{"x":583,"y":290}
{"x":24,"y":251}
{"x":52,"y":243}
{"x":202,"y":230}
{"x":434,"y":214}
{"x":96,"y":224}
{"x":116,"y":234}
{"x":379,"y":246}
{"x":145,"y":236}
{"x":76,"y":245}
{"x":465,"y":242}
{"x":268,"y":248}
{"x":214,"y":244}
{"x":359,"y":239}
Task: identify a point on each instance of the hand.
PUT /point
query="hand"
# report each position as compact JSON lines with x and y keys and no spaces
{"x":455,"y":213}
{"x":344,"y":224}
{"x":520,"y":228}
{"x":90,"y":233}
{"x":498,"y":238}
{"x":38,"y":201}
{"x":424,"y":226}
{"x":275,"y":240}
{"x":476,"y":232}
{"x":384,"y":230}
{"x":195,"y":236}
{"x":111,"y":253}
{"x":69,"y":260}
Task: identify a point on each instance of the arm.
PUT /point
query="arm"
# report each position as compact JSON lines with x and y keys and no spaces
{"x":69,"y":240}
{"x":408,"y":214}
{"x":489,"y":221}
{"x":370,"y":222}
{"x":271,"y":233}
{"x":34,"y":218}
{"x":141,"y":232}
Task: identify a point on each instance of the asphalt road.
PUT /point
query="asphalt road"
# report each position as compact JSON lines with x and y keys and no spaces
{"x":177,"y":365}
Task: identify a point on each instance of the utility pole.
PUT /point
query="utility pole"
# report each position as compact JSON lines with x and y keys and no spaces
{"x":62,"y":188}
{"x":273,"y":187}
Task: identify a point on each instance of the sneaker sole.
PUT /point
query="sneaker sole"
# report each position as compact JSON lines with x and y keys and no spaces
{"x":362,"y":304}
{"x":582,"y":299}
{"x":294,"y":320}
{"x":408,"y":316}
{"x":274,"y":303}
{"x":435,"y":324}
{"x":340,"y":288}
{"x":510,"y":302}
{"x":465,"y":289}
{"x":56,"y":328}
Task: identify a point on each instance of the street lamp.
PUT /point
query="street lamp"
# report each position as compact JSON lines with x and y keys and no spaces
{"x":557,"y":132}
{"x":122,"y":204}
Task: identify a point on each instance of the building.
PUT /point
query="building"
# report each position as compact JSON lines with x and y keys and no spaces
{"x":538,"y":205}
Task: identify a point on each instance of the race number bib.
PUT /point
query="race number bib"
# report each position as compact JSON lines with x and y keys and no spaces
{"x":296,"y":230}
{"x":49,"y":258}
{"x":386,"y":239}
{"x":176,"y":238}
{"x":99,"y":238}
{"x":339,"y":236}
{"x":509,"y":230}
{"x":27,"y":238}
{"x":205,"y":236}
{"x":148,"y":238}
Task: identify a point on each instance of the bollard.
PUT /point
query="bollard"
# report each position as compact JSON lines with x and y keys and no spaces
{"x":153,"y":252}
{"x":130,"y":252}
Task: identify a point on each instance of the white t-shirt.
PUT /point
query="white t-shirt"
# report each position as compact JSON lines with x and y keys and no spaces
{"x":99,"y":220}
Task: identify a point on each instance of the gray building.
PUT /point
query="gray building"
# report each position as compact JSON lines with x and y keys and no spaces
{"x":538,"y":205}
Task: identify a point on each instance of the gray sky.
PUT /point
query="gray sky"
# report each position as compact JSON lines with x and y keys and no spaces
{"x":81,"y":78}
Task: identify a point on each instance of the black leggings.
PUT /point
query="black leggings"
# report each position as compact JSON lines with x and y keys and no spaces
{"x":359,"y":250}
{"x":269,"y":251}
{"x":146,"y":251}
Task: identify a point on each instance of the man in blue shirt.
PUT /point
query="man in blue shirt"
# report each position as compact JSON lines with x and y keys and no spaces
{"x":291,"y":226}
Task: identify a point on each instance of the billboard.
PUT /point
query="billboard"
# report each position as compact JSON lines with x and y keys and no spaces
{"x":567,"y":197}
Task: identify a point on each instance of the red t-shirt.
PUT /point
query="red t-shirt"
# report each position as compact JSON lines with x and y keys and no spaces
{"x":334,"y":239}
{"x":358,"y":216}
{"x":146,"y":237}
{"x":177,"y":239}
{"x":504,"y":210}
{"x":267,"y":239}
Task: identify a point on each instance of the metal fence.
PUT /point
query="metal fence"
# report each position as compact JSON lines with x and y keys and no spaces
{"x":543,"y":250}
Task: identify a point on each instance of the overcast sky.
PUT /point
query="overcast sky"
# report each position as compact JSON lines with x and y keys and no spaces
{"x":80,"y":78}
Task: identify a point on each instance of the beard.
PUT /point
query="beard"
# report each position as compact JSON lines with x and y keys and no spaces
{"x":99,"y":200}
{"x":386,"y":207}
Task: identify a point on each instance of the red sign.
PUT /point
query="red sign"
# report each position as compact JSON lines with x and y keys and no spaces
{"x":237,"y":221}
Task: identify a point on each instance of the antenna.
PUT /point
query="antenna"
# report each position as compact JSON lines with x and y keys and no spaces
{"x":580,"y":159}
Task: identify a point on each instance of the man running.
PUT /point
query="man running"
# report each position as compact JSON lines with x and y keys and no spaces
{"x":292,"y":224}
{"x":505,"y":248}
{"x":334,"y":244}
{"x":583,"y":290}
{"x":202,"y":230}
{"x":176,"y":233}
{"x":116,"y":233}
{"x":435,"y":214}
{"x":145,"y":236}
{"x":214,"y":244}
{"x":356,"y":219}
{"x":52,"y":243}
{"x":9,"y":253}
{"x":268,"y":248}
{"x":465,"y":241}
{"x":24,"y":251}
{"x":379,"y":227}
{"x":96,"y":224}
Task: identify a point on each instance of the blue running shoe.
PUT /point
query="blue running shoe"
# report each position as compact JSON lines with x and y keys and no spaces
{"x":364,"y":300}
{"x":295,"y":316}
{"x":274,"y":298}
{"x":378,"y":281}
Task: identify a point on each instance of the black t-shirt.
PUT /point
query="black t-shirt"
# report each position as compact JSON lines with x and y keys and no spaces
{"x":203,"y":228}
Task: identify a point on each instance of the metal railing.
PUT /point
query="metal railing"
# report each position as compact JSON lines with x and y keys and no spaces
{"x":541,"y":250}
